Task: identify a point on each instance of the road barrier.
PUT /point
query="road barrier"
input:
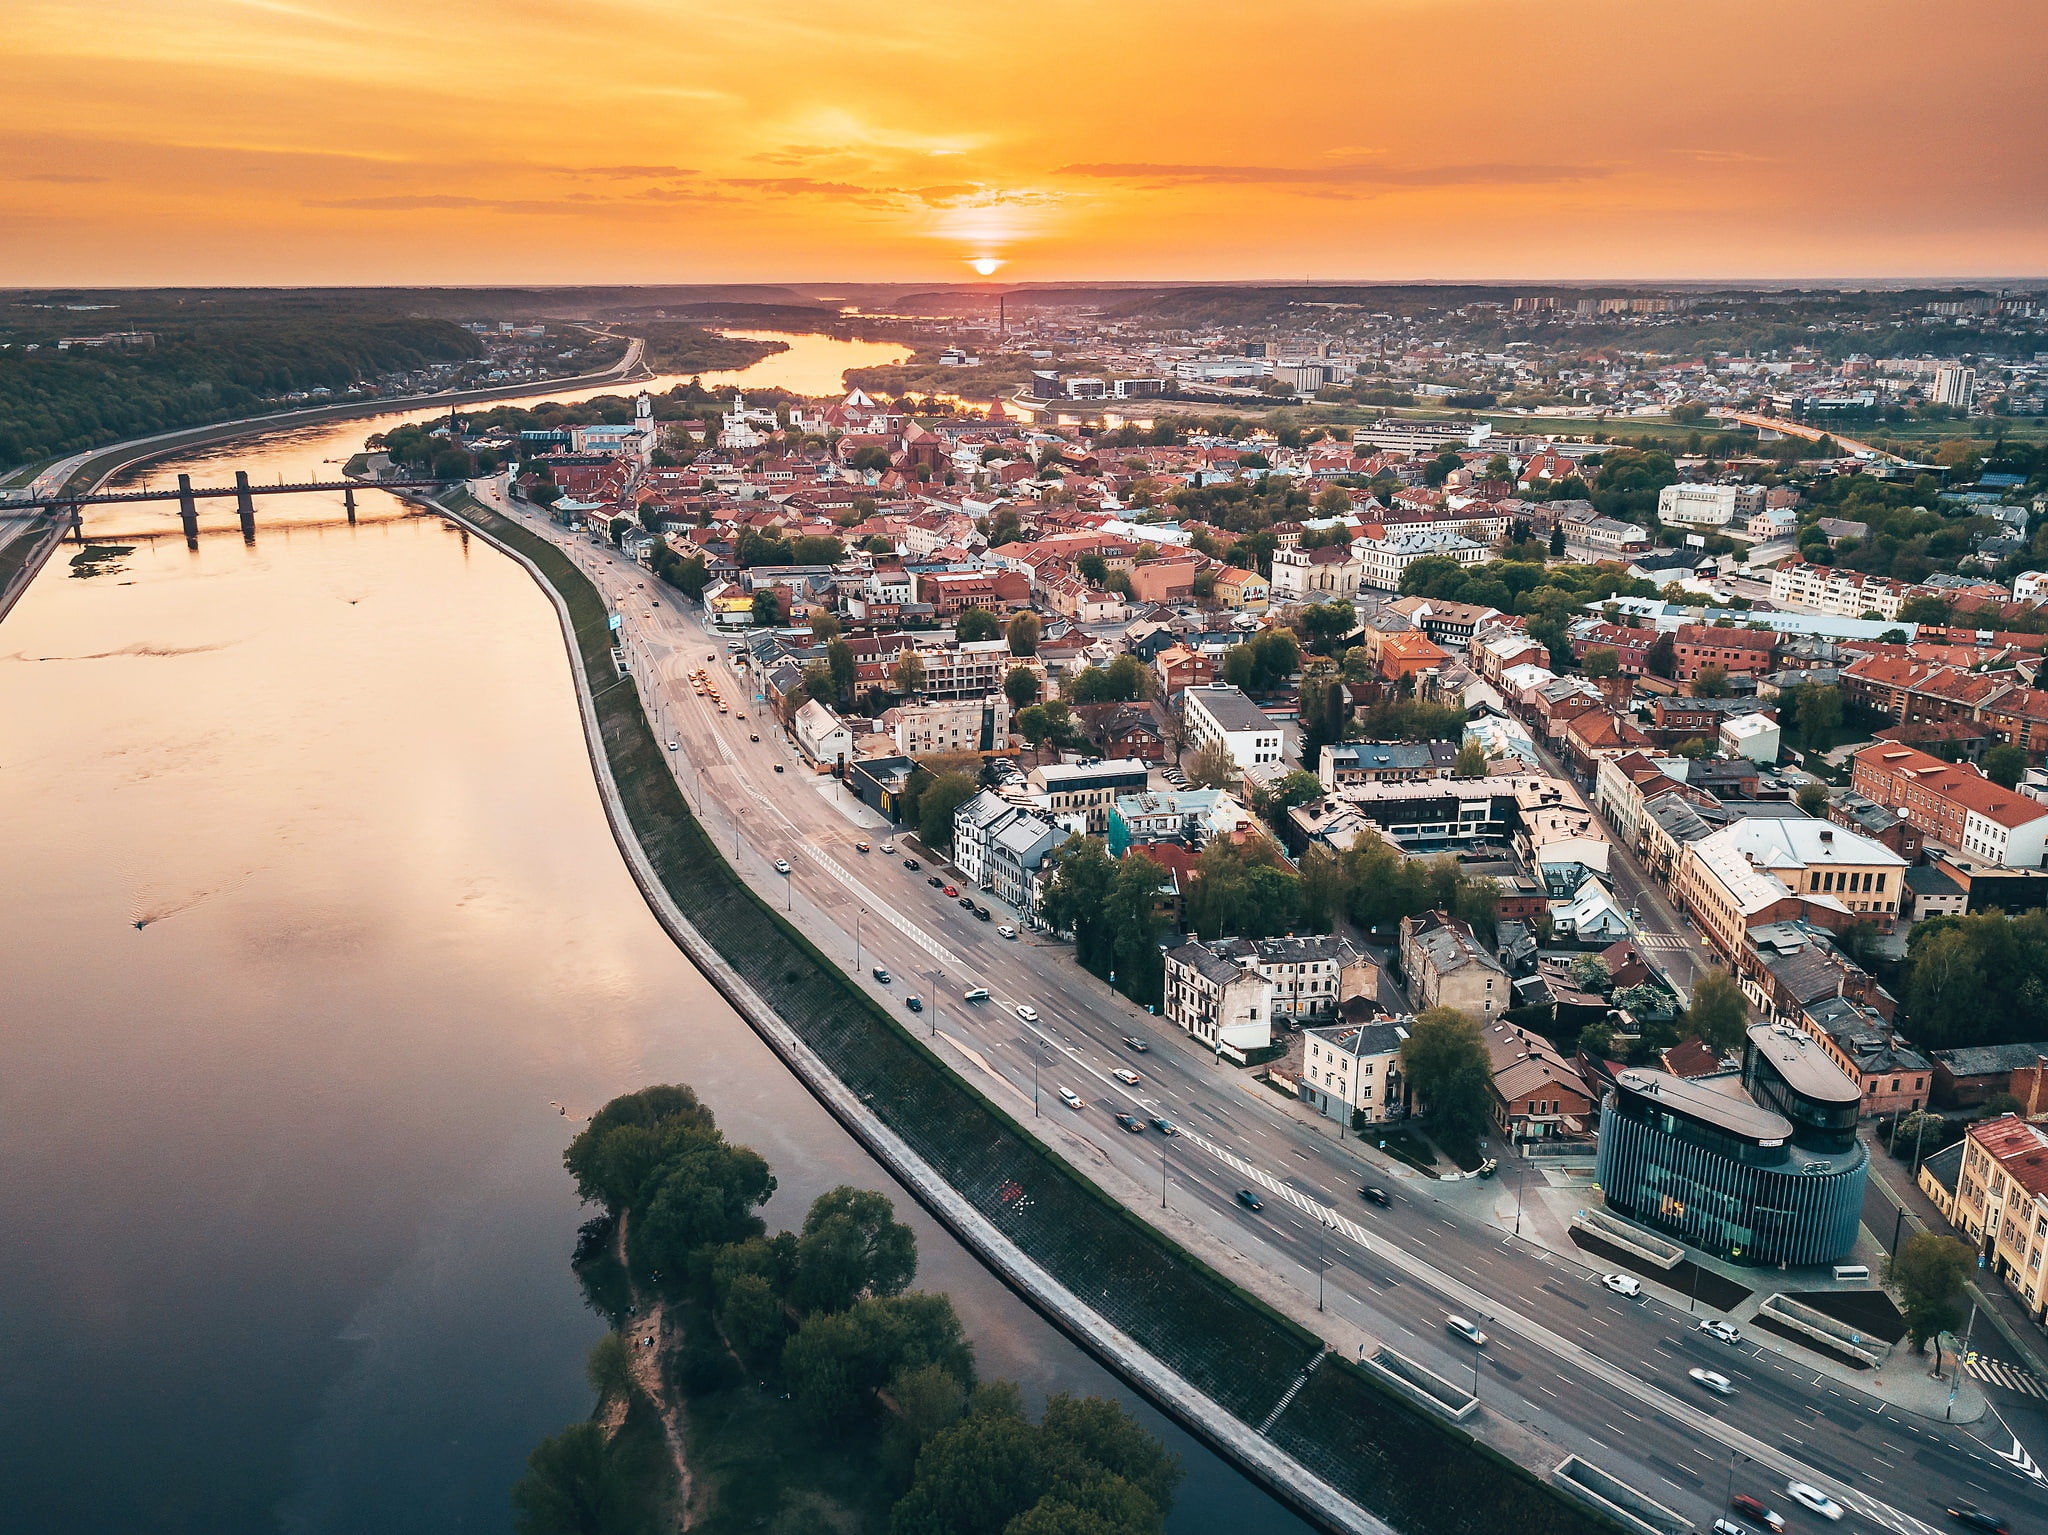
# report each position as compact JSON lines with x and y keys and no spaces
{"x":1840,"y":1336}
{"x":1422,"y":1386}
{"x":1646,"y":1245}
{"x":1616,"y":1499}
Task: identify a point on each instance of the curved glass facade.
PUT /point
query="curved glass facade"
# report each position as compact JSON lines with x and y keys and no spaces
{"x":1724,"y":1193}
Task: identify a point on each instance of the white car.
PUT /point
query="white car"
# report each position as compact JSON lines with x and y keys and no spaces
{"x":672,"y":746}
{"x":1714,"y":1327}
{"x":1714,"y":1381}
{"x":1027,"y":1012}
{"x":888,"y":847}
{"x":1808,"y":1496}
{"x":1126,"y":1076}
{"x":1071,"y":1098}
{"x":1459,"y":1327}
{"x":1007,"y":931}
{"x":1623,"y":1284}
{"x":782,"y":866}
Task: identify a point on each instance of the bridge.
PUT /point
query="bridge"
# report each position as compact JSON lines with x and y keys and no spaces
{"x":188,"y":496}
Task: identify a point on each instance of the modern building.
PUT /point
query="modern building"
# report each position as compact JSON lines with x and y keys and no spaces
{"x":1084,"y":791}
{"x":1708,"y":507}
{"x":1354,"y":1069}
{"x":1225,"y":1005}
{"x":1770,"y":1172}
{"x":1220,"y":714}
{"x":1956,"y":387}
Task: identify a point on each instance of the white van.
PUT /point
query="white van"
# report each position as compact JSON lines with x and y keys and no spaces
{"x":978,"y":994}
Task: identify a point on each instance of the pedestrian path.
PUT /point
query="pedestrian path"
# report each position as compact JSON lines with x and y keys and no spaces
{"x":1996,"y":1372}
{"x":1664,"y":941}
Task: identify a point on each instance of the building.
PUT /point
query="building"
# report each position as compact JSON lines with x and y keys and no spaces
{"x":1770,"y":1173}
{"x":1220,"y":714}
{"x":970,"y":669}
{"x":2001,"y":1204}
{"x":1187,"y":817}
{"x":1018,"y":847}
{"x":1327,"y":574}
{"x":1447,"y":967}
{"x":1964,"y":1078}
{"x":1351,"y":1072}
{"x":1405,"y":654}
{"x":822,"y":735}
{"x":1083,"y":792}
{"x":1385,"y":552}
{"x":1956,"y":387}
{"x":1829,"y":589}
{"x":1954,"y":804}
{"x":1703,"y":508}
{"x":1312,"y":976}
{"x":1768,"y":869}
{"x":1224,"y":1004}
{"x":1385,"y":762}
{"x":1745,"y":652}
{"x":1891,"y":1076}
{"x":974,"y":822}
{"x":1754,"y":736}
{"x":1537,"y":1093}
{"x":1597,"y":539}
{"x":958,"y":725}
{"x":1242,"y":591}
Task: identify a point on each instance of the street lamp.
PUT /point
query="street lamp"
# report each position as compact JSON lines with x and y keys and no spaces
{"x":932,"y":979}
{"x":862,"y":912}
{"x":1324,"y":1221}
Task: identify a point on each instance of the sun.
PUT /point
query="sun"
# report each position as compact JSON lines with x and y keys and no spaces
{"x":987,"y":266}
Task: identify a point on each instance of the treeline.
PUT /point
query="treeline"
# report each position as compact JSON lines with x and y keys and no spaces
{"x":1980,"y":979}
{"x":863,"y":1382}
{"x":673,"y":347}
{"x":200,"y":370}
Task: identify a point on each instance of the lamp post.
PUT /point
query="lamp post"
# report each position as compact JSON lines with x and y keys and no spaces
{"x":1036,"y":1050}
{"x":931,"y":981}
{"x":861,"y":912}
{"x":1323,"y":1223}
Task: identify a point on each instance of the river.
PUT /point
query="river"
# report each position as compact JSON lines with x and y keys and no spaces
{"x":313,"y":928}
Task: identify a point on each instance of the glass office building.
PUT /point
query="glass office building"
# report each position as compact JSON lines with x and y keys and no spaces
{"x":1768,"y":1172}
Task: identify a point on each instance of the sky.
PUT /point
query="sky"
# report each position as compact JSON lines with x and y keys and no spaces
{"x":588,"y":141}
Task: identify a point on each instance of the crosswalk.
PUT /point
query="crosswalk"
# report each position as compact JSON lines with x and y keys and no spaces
{"x":1996,"y":1372}
{"x":1664,"y":941}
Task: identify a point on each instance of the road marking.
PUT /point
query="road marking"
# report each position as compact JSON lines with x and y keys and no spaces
{"x":1997,"y":1372}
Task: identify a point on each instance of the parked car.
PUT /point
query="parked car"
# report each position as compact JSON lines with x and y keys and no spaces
{"x":1714,"y":1381}
{"x":1071,"y":1098}
{"x":1459,"y":1327}
{"x":1714,"y":1327}
{"x":778,"y":767}
{"x":914,"y":1002}
{"x":1973,"y":1517}
{"x":952,"y":890}
{"x":982,"y":914}
{"x":1128,"y":1077}
{"x":1623,"y":1284}
{"x":1027,"y":1012}
{"x":1754,"y":1511}
{"x":881,"y":975}
{"x":1808,"y":1496}
{"x":966,"y":900}
{"x":1375,"y":1195}
{"x":935,"y":882}
{"x":673,"y":747}
{"x":1132,"y":1123}
{"x":782,"y":866}
{"x":753,"y":735}
{"x":1250,"y":1200}
{"x":1132,"y":1042}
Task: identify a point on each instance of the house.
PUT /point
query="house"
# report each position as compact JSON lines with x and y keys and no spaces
{"x":1017,"y":849}
{"x":1179,"y":668}
{"x":1893,"y":1077}
{"x":1965,"y":1078}
{"x":1447,"y":967}
{"x":822,"y":735}
{"x":1409,"y":655}
{"x":1954,"y":803}
{"x":1127,"y":730}
{"x":1537,"y":1092}
{"x":2001,"y":1205}
{"x":1754,"y":736}
{"x":1351,"y":1071}
{"x":1219,"y":714}
{"x":1226,"y":1005}
{"x":974,"y":822}
{"x":1747,"y":652}
{"x":1242,"y":591}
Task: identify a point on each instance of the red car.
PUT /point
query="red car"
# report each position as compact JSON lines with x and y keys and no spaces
{"x":1754,"y":1511}
{"x":951,"y":891}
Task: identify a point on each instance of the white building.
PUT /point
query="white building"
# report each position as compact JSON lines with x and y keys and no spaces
{"x":974,"y":820}
{"x":956,"y":725}
{"x":1829,"y":589}
{"x":1956,"y":387}
{"x":2030,"y":586}
{"x":1218,"y":712}
{"x":1385,"y":553}
{"x":1349,"y":1068}
{"x":1754,"y":736}
{"x":821,"y":734}
{"x":1708,"y":506}
{"x":1772,"y":522}
{"x":1220,"y":1002}
{"x":1331,"y":573}
{"x":1311,"y":976}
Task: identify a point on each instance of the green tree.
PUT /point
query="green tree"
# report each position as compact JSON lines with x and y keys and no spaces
{"x":1602,"y":661}
{"x":614,"y":1158}
{"x":1711,"y":682}
{"x":1813,"y":798}
{"x":609,"y":1367}
{"x":1447,"y":1067}
{"x":1471,"y":761}
{"x":1023,"y":634}
{"x":1212,"y":768}
{"x":1127,"y":679}
{"x":818,"y":681}
{"x":1929,"y":1273}
{"x":1592,"y":973}
{"x":975,"y":624}
{"x":949,"y":791}
{"x":1661,"y":659}
{"x":1041,"y":724}
{"x":1325,"y":891}
{"x":1075,"y":897}
{"x":767,"y":611}
{"x":1021,"y":687}
{"x":573,"y":1485}
{"x":851,"y":1245}
{"x":1719,"y":1014}
{"x":845,"y":671}
{"x":824,"y":627}
{"x":2005,"y":766}
{"x":706,"y":1194}
{"x":1326,"y":623}
{"x":908,"y":674}
{"x":1131,"y":912}
{"x":1092,"y":569}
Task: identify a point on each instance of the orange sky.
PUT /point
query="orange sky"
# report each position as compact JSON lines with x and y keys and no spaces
{"x":373,"y":141}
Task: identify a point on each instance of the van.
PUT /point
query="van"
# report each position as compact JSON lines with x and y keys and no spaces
{"x":1852,"y":1271}
{"x":979,"y":994}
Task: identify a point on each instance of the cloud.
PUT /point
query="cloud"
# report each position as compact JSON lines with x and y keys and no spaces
{"x":438,"y":201}
{"x":1365,"y":175}
{"x":59,"y":178}
{"x":624,"y":172}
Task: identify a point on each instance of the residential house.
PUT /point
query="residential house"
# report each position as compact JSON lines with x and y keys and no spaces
{"x":1447,"y":966}
{"x":1538,"y":1093}
{"x":1351,"y":1071}
{"x":1242,"y":591}
{"x":2001,"y":1205}
{"x":1351,"y":762}
{"x":1223,"y":1004}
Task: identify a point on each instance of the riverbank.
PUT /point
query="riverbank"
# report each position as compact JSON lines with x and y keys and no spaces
{"x":1258,"y":1386}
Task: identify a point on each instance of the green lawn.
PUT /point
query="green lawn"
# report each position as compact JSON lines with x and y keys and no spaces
{"x":1404,"y":1146}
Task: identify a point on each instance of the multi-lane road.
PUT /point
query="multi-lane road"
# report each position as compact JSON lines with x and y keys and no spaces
{"x":1569,"y":1366}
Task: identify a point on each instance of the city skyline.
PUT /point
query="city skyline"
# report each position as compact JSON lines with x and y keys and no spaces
{"x":242,"y":142}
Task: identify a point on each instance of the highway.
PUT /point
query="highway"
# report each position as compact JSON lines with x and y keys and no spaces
{"x":1570,"y":1366}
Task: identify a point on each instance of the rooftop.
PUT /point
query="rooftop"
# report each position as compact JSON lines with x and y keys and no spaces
{"x":1725,"y":1111}
{"x":1229,"y":707}
{"x":1800,"y":1061}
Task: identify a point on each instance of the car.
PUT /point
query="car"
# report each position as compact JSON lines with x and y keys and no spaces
{"x":673,"y":747}
{"x":1375,"y":1195}
{"x":951,"y":891}
{"x":1973,"y":1517}
{"x":981,"y":914}
{"x":934,"y":881}
{"x":713,"y":656}
{"x":782,"y":866}
{"x":778,"y":767}
{"x":860,"y":847}
{"x":1808,"y":1496}
{"x":912,"y":864}
{"x":1027,"y":1012}
{"x":1071,"y":1098}
{"x":881,"y":974}
{"x":1469,"y":1331}
{"x":1714,"y":1327}
{"x":1250,"y":1200}
{"x":966,"y":901}
{"x":1727,"y":1527}
{"x":1163,"y":1126}
{"x":1132,"y":1123}
{"x":1623,"y":1284}
{"x":1128,"y":1077}
{"x":1132,"y":1042}
{"x":1007,"y":931}
{"x":1713,"y":1380}
{"x":739,"y":714}
{"x":1754,"y":1511}
{"x":888,"y":847}
{"x":753,"y":735}
{"x":915,"y":1004}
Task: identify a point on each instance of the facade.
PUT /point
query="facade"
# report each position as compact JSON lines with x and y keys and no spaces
{"x":1217,"y":1000}
{"x":1537,"y":1093}
{"x":1018,"y":847}
{"x":1448,"y":967}
{"x":1745,"y":651}
{"x":1353,"y":1069}
{"x":1891,"y":1076}
{"x":1311,"y":976}
{"x":972,"y":669}
{"x":1735,"y":1176}
{"x":958,"y":725}
{"x":2001,"y":1205}
{"x":1828,"y":589}
{"x":1385,"y":762}
{"x":974,"y":820}
{"x":1242,"y":591}
{"x":821,"y":734}
{"x":1326,"y":574}
{"x":1220,"y":713}
{"x":1084,"y":791}
{"x":1705,"y":507}
{"x":1594,"y":539}
{"x":1768,"y":869}
{"x":1755,"y":736}
{"x":1954,"y":804}
{"x":1385,"y":553}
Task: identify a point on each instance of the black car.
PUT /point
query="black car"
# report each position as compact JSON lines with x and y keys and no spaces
{"x":935,"y":882}
{"x":1376,"y":1196}
{"x":912,"y":864}
{"x":915,"y":1004}
{"x":880,"y":974}
{"x":1132,"y":1123}
{"x":1971,"y":1517}
{"x":1250,"y":1200}
{"x":967,"y":901}
{"x":981,"y":914}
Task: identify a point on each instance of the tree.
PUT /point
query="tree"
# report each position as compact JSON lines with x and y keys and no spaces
{"x":1711,"y":682}
{"x":935,"y":807}
{"x":1325,"y":892}
{"x":908,"y":674}
{"x":1131,"y":912}
{"x":614,"y":1157}
{"x":824,"y":626}
{"x":818,"y":681}
{"x":851,"y":1245}
{"x":1813,"y":798}
{"x":1819,"y":712}
{"x":2005,"y":766}
{"x":609,"y":1367}
{"x":1127,"y":680}
{"x":1021,"y":687}
{"x":975,"y":624}
{"x":1661,"y":660}
{"x":1092,"y":568}
{"x":752,"y":1317}
{"x":1719,"y":1014}
{"x":838,"y":1359}
{"x":1325,"y":623}
{"x":1023,"y":634}
{"x":1041,"y":724}
{"x":1471,"y":761}
{"x":706,"y":1194}
{"x":573,"y":1485}
{"x":767,"y":610}
{"x":1447,"y":1067}
{"x":1592,"y":973}
{"x":844,"y":669}
{"x":1929,"y":1273}
{"x":1557,"y":541}
{"x":1925,"y":609}
{"x":1602,"y":661}
{"x":1075,"y":896}
{"x":1212,"y":768}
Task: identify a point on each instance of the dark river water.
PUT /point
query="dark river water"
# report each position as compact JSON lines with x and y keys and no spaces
{"x":310,"y":924}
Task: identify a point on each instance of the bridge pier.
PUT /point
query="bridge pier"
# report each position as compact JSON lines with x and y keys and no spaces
{"x":348,"y":501}
{"x":245,"y":506}
{"x":188,"y":511}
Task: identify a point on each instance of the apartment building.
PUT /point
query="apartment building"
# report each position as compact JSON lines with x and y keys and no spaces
{"x":957,"y":725}
{"x":1352,"y":762}
{"x":1081,"y":793}
{"x":1699,"y":508}
{"x":1354,"y":1069}
{"x":1220,"y":714}
{"x":1537,"y":1093}
{"x":1385,"y":552}
{"x":2001,"y":1204}
{"x":1761,"y":870}
{"x":1954,"y":803}
{"x":1312,"y":976}
{"x":1747,"y":652}
{"x":1844,"y":593}
{"x":1242,"y":591}
{"x":1224,"y":1004}
{"x":1594,"y":539}
{"x":1448,"y":967}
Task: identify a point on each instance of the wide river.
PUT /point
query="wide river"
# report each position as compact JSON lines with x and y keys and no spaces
{"x":312,"y":928}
